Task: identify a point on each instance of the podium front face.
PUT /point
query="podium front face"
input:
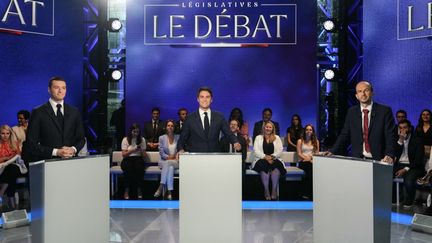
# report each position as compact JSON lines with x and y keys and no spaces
{"x":352,"y":200}
{"x":210,"y":198}
{"x":70,"y":200}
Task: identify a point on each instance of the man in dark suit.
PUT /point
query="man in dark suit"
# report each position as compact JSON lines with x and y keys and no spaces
{"x":182,"y":113}
{"x":225,"y":144}
{"x":410,"y":162}
{"x":266,"y":116}
{"x":202,"y":128}
{"x":153,"y":129}
{"x":55,"y":128}
{"x":369,"y":128}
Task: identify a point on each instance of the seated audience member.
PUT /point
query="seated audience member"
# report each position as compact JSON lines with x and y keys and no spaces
{"x":266,"y":116}
{"x":410,"y":162}
{"x":168,"y":162}
{"x":237,"y":114}
{"x":226,"y":146}
{"x":307,"y":147}
{"x":400,"y":116}
{"x":9,"y":147}
{"x":182,"y":113}
{"x":21,"y":129}
{"x":268,"y":149}
{"x":294,"y":132}
{"x":424,"y":131}
{"x":153,"y":130}
{"x":133,"y":151}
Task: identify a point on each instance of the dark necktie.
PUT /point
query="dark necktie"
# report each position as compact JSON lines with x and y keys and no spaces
{"x":366,"y":130}
{"x":206,"y":124}
{"x":60,"y":117}
{"x":154,"y":131}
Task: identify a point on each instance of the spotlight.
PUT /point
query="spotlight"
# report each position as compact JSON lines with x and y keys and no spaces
{"x":330,"y":74}
{"x":115,"y":74}
{"x":114,"y":25}
{"x":329,"y":25}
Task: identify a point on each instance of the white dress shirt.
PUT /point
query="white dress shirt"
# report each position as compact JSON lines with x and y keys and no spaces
{"x":201,"y":112}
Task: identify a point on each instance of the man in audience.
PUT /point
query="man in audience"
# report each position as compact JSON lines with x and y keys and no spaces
{"x":182,"y":113}
{"x":369,"y":128}
{"x":226,"y":146}
{"x":153,"y":129}
{"x":202,"y":128}
{"x":55,"y":128}
{"x":409,"y":163}
{"x":400,"y":116}
{"x":266,"y":116}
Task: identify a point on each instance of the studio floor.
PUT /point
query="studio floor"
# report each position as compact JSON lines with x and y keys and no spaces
{"x":263,"y":222}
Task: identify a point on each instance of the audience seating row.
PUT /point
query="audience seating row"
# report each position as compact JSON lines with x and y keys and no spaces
{"x":153,"y":172}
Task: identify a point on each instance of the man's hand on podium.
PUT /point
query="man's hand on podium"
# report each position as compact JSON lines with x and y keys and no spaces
{"x":237,"y":146}
{"x":387,"y":159}
{"x":65,"y":152}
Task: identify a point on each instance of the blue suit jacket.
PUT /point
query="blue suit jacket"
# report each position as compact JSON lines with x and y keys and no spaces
{"x":193,"y":138}
{"x":382,"y":139}
{"x":163,"y":145}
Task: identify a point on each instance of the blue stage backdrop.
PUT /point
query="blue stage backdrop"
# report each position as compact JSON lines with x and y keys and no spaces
{"x":31,"y":54}
{"x":397,"y":54}
{"x":253,"y":54}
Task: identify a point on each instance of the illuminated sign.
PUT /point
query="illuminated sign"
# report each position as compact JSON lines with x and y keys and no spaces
{"x":28,"y":16}
{"x":215,"y":22}
{"x":414,"y":19}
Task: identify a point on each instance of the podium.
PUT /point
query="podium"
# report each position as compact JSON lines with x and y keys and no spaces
{"x":210,"y":198}
{"x":70,"y":200}
{"x":352,"y":200}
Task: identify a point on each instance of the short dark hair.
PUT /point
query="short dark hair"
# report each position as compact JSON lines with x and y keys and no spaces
{"x":155,"y":109}
{"x":205,"y":88}
{"x":267,"y":109}
{"x":181,"y":109}
{"x":402,"y":111}
{"x":25,"y":113}
{"x":405,"y":121}
{"x":58,"y":78}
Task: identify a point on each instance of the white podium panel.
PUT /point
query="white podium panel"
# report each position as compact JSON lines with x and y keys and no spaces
{"x":352,"y":200}
{"x":210,"y":198}
{"x":70,"y":200}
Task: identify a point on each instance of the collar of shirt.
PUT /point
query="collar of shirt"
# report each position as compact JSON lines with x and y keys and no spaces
{"x":54,"y":105}
{"x":369,"y":107}
{"x":201,"y":112}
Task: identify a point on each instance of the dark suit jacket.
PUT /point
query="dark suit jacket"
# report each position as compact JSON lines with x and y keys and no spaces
{"x":45,"y":133}
{"x":148,"y":134}
{"x":415,"y":153}
{"x":177,"y":129}
{"x":225,"y":145}
{"x":193,"y":138}
{"x":258,"y":128}
{"x":382,"y":139}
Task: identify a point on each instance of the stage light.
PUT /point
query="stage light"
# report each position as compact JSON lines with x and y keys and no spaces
{"x":114,"y":25}
{"x":115,"y":74}
{"x":330,"y":74}
{"x":329,"y":25}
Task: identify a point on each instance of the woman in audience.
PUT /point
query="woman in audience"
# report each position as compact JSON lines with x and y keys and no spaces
{"x":133,"y":151}
{"x":268,"y":149}
{"x":237,"y":114}
{"x":424,"y":130}
{"x":307,"y":147}
{"x":294,"y":132}
{"x":21,"y":129}
{"x":9,"y":147}
{"x":168,"y":162}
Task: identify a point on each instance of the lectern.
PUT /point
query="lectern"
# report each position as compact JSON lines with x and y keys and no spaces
{"x":70,"y":200}
{"x":210,"y":198}
{"x":352,"y":200}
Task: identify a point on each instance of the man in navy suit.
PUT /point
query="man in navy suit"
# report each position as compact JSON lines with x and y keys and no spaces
{"x":55,"y":128}
{"x":369,"y":128}
{"x":202,"y":128}
{"x":267,"y":114}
